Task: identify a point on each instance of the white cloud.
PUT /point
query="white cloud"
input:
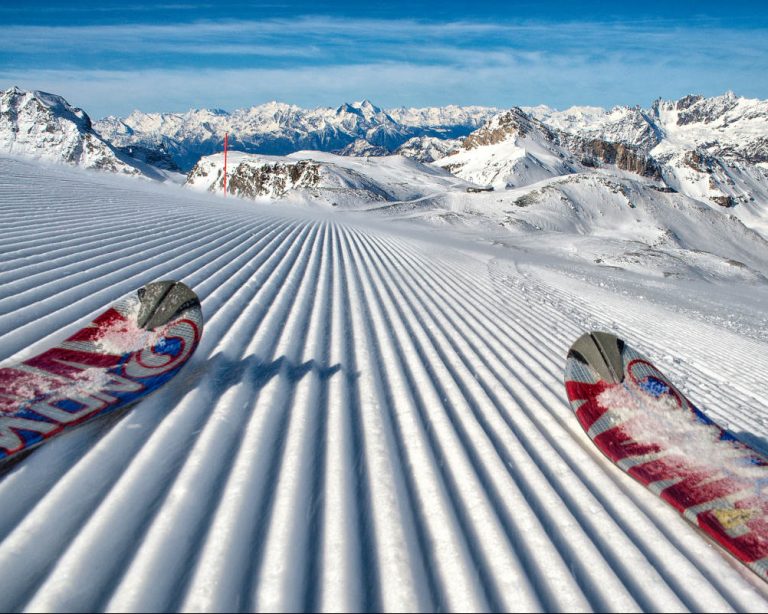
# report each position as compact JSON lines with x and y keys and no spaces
{"x":322,"y":60}
{"x":375,"y":38}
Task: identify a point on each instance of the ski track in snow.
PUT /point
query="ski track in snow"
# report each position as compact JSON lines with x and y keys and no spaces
{"x":371,"y":422}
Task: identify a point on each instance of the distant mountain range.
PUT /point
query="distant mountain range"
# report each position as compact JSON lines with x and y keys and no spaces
{"x":279,"y":129}
{"x":711,"y":150}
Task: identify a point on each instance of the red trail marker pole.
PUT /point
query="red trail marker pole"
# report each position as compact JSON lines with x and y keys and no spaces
{"x":226,"y":143}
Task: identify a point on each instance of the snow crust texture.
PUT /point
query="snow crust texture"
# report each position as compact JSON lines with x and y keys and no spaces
{"x":374,"y":420}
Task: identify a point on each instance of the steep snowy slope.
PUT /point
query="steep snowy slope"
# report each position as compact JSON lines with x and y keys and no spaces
{"x":375,"y":419}
{"x":45,"y":126}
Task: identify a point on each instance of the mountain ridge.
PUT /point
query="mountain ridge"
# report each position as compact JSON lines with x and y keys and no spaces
{"x":712,"y":150}
{"x":46,"y":126}
{"x":276,"y":128}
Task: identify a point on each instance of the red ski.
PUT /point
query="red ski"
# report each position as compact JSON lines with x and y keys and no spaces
{"x":127,"y":352}
{"x":647,"y":427}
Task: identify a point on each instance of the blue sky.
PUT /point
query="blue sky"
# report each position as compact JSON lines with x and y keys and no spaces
{"x":111,"y":57}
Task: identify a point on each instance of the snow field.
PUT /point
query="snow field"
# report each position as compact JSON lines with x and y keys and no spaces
{"x":371,"y":422}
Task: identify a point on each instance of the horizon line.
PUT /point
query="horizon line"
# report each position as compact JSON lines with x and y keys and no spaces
{"x":360,"y":102}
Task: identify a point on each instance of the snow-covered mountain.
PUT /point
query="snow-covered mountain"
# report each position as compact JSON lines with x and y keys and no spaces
{"x":726,"y":126}
{"x":516,"y":149}
{"x":512,"y":149}
{"x":710,"y":150}
{"x":46,"y":126}
{"x":278,"y":128}
{"x":627,"y":125}
{"x":362,"y":148}
{"x":428,"y":148}
{"x":322,"y":178}
{"x":713,"y":150}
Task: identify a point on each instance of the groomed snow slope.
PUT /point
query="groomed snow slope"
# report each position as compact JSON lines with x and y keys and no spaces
{"x":374,"y":420}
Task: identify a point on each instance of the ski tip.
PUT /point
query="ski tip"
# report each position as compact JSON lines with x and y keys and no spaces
{"x":602,"y":352}
{"x":161,"y":301}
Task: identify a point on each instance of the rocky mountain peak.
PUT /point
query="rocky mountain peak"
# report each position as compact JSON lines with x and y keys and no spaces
{"x":707,"y":110}
{"x":510,"y":124}
{"x":687,"y":101}
{"x":366,"y":111}
{"x":367,"y":106}
{"x":46,"y":126}
{"x":347,"y":108}
{"x":52,"y":106}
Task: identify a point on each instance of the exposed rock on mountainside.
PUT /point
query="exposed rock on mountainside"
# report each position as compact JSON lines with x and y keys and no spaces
{"x":322,"y":178}
{"x":45,"y":126}
{"x":274,"y":177}
{"x":624,"y":156}
{"x":507,"y":124}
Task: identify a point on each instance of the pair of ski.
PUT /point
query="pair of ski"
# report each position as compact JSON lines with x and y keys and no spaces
{"x":630,"y":410}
